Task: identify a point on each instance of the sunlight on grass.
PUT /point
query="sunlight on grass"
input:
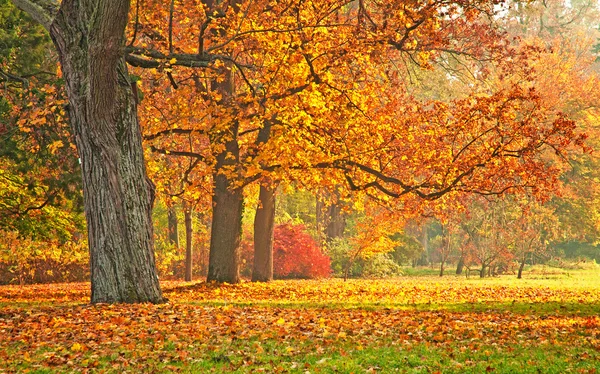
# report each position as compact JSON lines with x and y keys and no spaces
{"x":548,"y":321}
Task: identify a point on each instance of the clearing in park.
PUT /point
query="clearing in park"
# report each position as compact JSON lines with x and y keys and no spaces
{"x":547,"y":322}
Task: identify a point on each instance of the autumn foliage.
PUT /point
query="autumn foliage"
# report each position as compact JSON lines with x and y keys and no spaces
{"x":297,"y":255}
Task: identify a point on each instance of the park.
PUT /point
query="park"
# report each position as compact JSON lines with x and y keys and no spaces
{"x":299,"y":186}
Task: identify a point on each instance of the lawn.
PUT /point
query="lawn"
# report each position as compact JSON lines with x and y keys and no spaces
{"x":548,"y":322}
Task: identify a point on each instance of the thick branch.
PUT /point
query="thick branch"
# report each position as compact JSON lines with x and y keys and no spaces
{"x":42,"y":11}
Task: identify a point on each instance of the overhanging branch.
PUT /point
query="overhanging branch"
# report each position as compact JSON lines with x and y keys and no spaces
{"x":42,"y":11}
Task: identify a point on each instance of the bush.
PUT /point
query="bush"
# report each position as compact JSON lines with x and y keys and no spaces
{"x":296,"y":254}
{"x":26,"y":261}
{"x":339,"y":251}
{"x":380,"y":266}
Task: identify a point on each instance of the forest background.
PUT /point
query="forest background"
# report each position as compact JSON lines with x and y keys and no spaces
{"x":363,"y":163}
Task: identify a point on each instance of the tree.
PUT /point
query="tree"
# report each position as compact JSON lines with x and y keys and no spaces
{"x":264,"y":225}
{"x":326,"y":80}
{"x":118,"y":196}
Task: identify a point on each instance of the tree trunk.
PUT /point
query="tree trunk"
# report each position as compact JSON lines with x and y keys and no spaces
{"x":189,"y":234}
{"x":424,"y":260}
{"x":264,"y":223}
{"x":336,"y":222}
{"x":228,"y":205}
{"x":226,"y":230}
{"x":442,"y":268}
{"x":173,"y":227}
{"x":460,"y":266}
{"x":521,"y":267}
{"x":320,"y":217}
{"x":483,"y":271}
{"x":118,"y":195}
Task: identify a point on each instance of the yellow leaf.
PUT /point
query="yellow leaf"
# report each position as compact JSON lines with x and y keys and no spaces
{"x":76,"y":347}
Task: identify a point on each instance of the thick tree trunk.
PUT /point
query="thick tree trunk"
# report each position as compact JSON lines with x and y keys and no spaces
{"x":226,"y":230}
{"x":228,"y":205}
{"x":264,"y":223}
{"x":118,"y":195}
{"x":189,"y":231}
{"x":483,"y":271}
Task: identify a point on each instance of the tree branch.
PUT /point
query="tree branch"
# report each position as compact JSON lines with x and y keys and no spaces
{"x":42,"y":11}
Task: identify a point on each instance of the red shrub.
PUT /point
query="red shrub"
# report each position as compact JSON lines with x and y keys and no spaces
{"x":297,"y":255}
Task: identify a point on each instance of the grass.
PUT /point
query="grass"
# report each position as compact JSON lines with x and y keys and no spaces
{"x":546,"y":323}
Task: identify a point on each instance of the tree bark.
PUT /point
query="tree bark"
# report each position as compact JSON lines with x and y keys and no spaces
{"x":189,"y":231}
{"x":118,"y":196}
{"x":336,"y":222}
{"x":424,"y":260}
{"x":460,"y":266}
{"x":264,"y":223}
{"x":226,"y":230}
{"x":173,"y":228}
{"x":521,"y":267}
{"x":320,"y":217}
{"x":228,"y":204}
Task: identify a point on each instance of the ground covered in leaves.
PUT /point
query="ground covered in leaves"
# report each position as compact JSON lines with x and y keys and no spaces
{"x":412,"y":325}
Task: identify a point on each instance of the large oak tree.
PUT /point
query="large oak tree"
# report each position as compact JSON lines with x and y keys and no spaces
{"x":118,"y":196}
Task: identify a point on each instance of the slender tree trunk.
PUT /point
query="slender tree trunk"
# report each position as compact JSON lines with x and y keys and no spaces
{"x":442,"y":268}
{"x":173,"y":226}
{"x":264,"y":223}
{"x":521,"y":267}
{"x":320,"y":217}
{"x":173,"y":231}
{"x":425,"y":242}
{"x":189,"y":235}
{"x":460,"y":266}
{"x":118,"y":196}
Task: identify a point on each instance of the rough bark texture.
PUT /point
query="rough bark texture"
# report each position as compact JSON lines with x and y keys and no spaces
{"x":189,"y":231}
{"x":264,"y":223}
{"x":118,"y":195}
{"x":226,"y":228}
